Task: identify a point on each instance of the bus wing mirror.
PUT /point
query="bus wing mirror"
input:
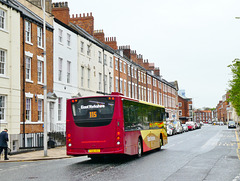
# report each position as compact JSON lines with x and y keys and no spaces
{"x":167,"y":114}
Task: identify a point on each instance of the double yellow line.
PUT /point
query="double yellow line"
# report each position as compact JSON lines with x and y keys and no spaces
{"x":238,"y":143}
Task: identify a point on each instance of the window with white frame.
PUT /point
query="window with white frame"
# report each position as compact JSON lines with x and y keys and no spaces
{"x":116,"y":84}
{"x":68,"y":39}
{"x":28,"y":68}
{"x":180,"y":104}
{"x":132,"y":73}
{"x":190,"y":106}
{"x":132,"y":95}
{"x":89,"y":50}
{"x":82,"y":76}
{"x":68,"y":72}
{"x":60,"y":35}
{"x":125,"y":87}
{"x":100,"y":81}
{"x":59,"y":109}
{"x":135,"y":73}
{"x":129,"y":70}
{"x":111,"y":62}
{"x":28,"y":109}
{"x":2,"y":62}
{"x":60,"y":61}
{"x":99,"y":57}
{"x":39,"y":36}
{"x":120,"y":65}
{"x":154,"y":82}
{"x":155,"y":97}
{"x":2,"y":107}
{"x":160,"y":98}
{"x":105,"y":83}
{"x":82,"y":47}
{"x":28,"y":30}
{"x":110,"y":84}
{"x":40,"y":68}
{"x":136,"y":91}
{"x":89,"y":74}
{"x":105,"y":59}
{"x":120,"y":88}
{"x":124,"y":67}
{"x":144,"y":94}
{"x":116,"y":64}
{"x":40,"y":110}
{"x":2,"y":19}
{"x":139,"y":92}
{"x":129,"y":89}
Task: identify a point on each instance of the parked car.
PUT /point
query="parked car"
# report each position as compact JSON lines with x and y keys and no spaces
{"x":197,"y":125}
{"x":221,"y":123}
{"x":177,"y":125}
{"x":185,"y":128}
{"x":231,"y":124}
{"x":171,"y":130}
{"x":190,"y":125}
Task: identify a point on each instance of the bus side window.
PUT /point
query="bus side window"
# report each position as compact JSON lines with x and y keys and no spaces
{"x":127,"y":123}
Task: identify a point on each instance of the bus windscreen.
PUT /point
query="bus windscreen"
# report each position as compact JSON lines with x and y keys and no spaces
{"x":93,"y":112}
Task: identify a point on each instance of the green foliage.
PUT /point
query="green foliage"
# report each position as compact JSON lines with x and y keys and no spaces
{"x":234,"y":92}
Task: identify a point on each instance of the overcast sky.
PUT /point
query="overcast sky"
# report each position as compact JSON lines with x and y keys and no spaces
{"x":191,"y":41}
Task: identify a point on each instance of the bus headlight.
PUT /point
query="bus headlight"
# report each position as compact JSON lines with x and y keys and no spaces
{"x":118,"y":143}
{"x":70,"y":144}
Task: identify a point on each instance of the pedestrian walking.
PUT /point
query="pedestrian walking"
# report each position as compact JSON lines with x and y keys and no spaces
{"x":3,"y":143}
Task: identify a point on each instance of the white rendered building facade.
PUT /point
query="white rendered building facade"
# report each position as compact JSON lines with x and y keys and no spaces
{"x":10,"y":70}
{"x":65,"y":72}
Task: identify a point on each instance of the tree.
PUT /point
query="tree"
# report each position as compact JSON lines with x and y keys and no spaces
{"x":234,"y":92}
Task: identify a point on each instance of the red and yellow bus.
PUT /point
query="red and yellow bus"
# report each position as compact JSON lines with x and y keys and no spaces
{"x":114,"y":124}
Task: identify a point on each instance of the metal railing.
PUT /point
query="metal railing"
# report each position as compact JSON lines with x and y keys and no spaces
{"x":32,"y":140}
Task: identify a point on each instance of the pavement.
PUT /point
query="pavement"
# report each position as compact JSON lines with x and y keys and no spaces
{"x":53,"y":153}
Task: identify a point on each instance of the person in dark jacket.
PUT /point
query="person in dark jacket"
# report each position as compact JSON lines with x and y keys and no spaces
{"x":3,"y":143}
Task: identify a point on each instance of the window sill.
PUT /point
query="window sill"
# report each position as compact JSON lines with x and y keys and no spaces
{"x":29,"y":43}
{"x":29,"y":81}
{"x":4,"y":77}
{"x":40,"y":47}
{"x":4,"y":30}
{"x":29,"y":122}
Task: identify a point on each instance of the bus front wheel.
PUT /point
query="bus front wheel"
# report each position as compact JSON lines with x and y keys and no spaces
{"x":161,"y":142}
{"x":139,"y":148}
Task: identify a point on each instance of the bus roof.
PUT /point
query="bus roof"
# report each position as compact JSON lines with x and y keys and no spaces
{"x":117,"y":94}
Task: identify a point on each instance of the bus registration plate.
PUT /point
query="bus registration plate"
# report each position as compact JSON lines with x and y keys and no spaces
{"x":93,"y":150}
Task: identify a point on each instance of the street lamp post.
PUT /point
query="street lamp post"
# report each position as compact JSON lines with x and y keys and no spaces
{"x":45,"y":80}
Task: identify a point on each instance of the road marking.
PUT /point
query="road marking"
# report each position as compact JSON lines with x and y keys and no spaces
{"x":238,"y":144}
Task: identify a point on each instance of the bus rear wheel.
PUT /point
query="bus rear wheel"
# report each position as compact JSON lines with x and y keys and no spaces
{"x":139,"y":148}
{"x":161,"y":143}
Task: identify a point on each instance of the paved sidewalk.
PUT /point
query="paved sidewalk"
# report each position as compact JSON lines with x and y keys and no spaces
{"x":53,"y":153}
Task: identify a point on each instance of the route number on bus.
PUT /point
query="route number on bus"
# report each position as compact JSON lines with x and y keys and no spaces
{"x":92,"y":114}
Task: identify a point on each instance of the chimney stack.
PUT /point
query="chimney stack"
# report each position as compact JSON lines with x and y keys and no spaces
{"x":61,"y":11}
{"x":99,"y":34}
{"x":112,"y":42}
{"x":86,"y":22}
{"x":126,"y":51}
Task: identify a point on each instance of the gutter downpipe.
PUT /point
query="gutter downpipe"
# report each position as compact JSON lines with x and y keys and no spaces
{"x":24,"y":82}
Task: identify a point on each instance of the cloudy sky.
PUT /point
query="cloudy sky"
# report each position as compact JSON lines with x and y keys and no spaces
{"x":191,"y":41}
